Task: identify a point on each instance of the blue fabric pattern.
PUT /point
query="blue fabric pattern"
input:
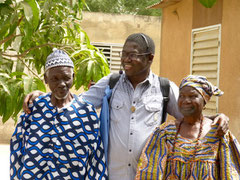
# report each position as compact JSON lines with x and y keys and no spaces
{"x":104,"y":120}
{"x":52,"y":143}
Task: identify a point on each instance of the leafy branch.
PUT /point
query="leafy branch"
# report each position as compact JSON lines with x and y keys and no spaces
{"x":36,"y":47}
{"x":29,"y":30}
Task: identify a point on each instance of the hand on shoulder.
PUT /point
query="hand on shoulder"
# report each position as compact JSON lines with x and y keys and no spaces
{"x":223,"y":123}
{"x":29,"y":98}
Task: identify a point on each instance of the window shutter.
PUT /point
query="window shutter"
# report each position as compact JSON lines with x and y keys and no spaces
{"x":112,"y":53}
{"x":205,"y":59}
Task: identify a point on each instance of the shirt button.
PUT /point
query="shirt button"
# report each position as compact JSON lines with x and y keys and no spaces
{"x":132,"y":118}
{"x":130,"y":150}
{"x":131,"y":133}
{"x":129,"y":164}
{"x":133,"y":102}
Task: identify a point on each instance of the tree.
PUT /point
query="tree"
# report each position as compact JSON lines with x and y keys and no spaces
{"x":136,"y":7}
{"x":29,"y":30}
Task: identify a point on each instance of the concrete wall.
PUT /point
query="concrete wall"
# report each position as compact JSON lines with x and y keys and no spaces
{"x":6,"y":131}
{"x":177,"y":23}
{"x":114,"y":28}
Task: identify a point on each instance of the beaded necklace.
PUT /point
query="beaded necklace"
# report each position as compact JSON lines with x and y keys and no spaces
{"x":174,"y":176}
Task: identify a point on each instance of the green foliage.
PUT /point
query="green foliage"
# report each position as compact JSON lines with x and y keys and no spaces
{"x":29,"y":30}
{"x":91,"y":65}
{"x":207,"y":3}
{"x":136,"y":7}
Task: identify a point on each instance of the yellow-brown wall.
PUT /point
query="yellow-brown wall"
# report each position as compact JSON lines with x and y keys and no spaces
{"x":176,"y":40}
{"x":206,"y":16}
{"x":115,"y":28}
{"x":177,"y":23}
{"x":230,"y":64}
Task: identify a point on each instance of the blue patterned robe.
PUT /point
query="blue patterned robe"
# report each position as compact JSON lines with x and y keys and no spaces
{"x":52,"y":143}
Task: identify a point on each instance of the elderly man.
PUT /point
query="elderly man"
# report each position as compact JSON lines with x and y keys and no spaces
{"x":60,"y":138}
{"x":136,"y":106}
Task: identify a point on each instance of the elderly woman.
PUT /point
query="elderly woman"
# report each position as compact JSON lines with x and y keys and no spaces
{"x":189,"y":148}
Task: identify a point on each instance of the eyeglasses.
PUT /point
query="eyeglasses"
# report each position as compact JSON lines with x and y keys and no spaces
{"x":132,"y":56}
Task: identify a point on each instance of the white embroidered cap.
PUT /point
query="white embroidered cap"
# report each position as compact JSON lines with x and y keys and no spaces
{"x":58,"y":58}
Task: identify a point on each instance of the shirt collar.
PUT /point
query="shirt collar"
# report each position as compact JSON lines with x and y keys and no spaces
{"x":149,"y":79}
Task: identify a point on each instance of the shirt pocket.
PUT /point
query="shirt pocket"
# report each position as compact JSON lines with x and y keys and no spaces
{"x":153,"y":106}
{"x":117,"y":107}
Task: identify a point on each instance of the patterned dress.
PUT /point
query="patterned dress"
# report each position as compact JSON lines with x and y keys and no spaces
{"x":216,"y":158}
{"x":52,"y":143}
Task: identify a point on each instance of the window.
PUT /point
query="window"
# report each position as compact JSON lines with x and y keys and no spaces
{"x":112,"y":53}
{"x":205,"y":58}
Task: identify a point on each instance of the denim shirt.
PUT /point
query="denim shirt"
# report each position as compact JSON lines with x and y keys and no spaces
{"x":130,"y":127}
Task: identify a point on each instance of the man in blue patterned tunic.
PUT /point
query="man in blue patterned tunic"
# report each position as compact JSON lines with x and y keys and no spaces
{"x":60,"y":138}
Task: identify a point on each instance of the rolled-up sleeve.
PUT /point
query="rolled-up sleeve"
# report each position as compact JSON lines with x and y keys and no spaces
{"x":95,"y":94}
{"x":172,"y":107}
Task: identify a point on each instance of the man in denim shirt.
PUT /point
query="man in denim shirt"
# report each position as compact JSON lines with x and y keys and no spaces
{"x":135,"y":106}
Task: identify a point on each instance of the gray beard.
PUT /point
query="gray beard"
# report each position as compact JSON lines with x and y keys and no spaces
{"x":61,"y":98}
